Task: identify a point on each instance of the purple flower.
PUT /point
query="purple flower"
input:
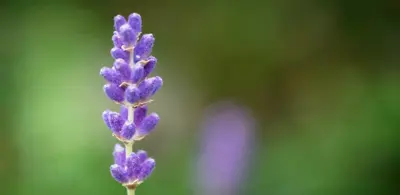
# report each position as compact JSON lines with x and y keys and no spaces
{"x":116,"y":40}
{"x":105,"y":118}
{"x":128,"y":85}
{"x":148,"y":124}
{"x":127,"y":131}
{"x":144,"y":47}
{"x":142,"y":155}
{"x":137,"y":73}
{"x":118,"y":22}
{"x":127,"y":34}
{"x":115,"y":121}
{"x":146,"y":169}
{"x":119,"y":154}
{"x":127,"y":78}
{"x":132,"y":94}
{"x":149,"y":87}
{"x":114,"y":92}
{"x":135,"y":21}
{"x":124,"y":112}
{"x":149,"y":67}
{"x":111,"y":75}
{"x":117,"y":52}
{"x":131,"y":170}
{"x":119,"y":173}
{"x":140,"y":114}
{"x":122,"y":67}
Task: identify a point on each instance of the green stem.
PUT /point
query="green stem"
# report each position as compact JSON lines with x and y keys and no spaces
{"x":128,"y":149}
{"x":131,"y":191}
{"x":129,"y":146}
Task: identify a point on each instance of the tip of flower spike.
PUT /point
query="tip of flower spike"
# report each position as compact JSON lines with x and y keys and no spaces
{"x":119,"y":21}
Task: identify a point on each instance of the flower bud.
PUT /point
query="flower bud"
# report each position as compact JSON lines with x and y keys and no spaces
{"x":114,"y":92}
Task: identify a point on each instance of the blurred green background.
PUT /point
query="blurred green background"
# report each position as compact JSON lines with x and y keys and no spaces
{"x":321,"y":78}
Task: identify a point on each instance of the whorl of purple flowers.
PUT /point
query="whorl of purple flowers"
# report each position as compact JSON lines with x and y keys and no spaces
{"x":130,"y":86}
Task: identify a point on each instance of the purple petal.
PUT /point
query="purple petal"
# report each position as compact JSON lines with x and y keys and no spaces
{"x":149,"y":67}
{"x":137,"y":73}
{"x":114,"y":92}
{"x":145,"y":88}
{"x":119,"y":155}
{"x":127,"y":34}
{"x":105,"y":116}
{"x":111,"y":75}
{"x":148,"y":124}
{"x":118,"y":173}
{"x":119,"y":53}
{"x":116,"y":122}
{"x":144,"y":47}
{"x":128,"y":130}
{"x":139,"y":114}
{"x":132,"y":94}
{"x":156,"y":85}
{"x":116,"y":40}
{"x":123,"y":68}
{"x":132,"y":166}
{"x":149,"y":86}
{"x":147,"y":168}
{"x":124,"y":112}
{"x":119,"y":21}
{"x":135,"y":21}
{"x":142,"y":155}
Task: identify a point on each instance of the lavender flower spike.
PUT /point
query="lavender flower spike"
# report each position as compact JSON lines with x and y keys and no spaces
{"x":129,"y":85}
